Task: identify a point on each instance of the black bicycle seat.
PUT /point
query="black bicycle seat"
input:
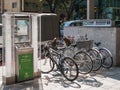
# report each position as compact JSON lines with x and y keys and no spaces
{"x":97,"y":43}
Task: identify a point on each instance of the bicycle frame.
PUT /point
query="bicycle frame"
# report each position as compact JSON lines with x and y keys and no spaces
{"x":58,"y":55}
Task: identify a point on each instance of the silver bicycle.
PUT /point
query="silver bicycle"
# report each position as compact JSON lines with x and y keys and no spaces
{"x":107,"y":58}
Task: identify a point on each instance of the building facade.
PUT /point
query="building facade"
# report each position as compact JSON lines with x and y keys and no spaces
{"x":109,"y":9}
{"x":103,"y":9}
{"x":30,"y":5}
{"x":19,"y":6}
{"x":11,"y":5}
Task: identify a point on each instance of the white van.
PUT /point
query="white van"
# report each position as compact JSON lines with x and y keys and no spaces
{"x":71,"y":23}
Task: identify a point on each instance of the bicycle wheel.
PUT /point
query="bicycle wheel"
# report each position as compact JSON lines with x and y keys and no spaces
{"x":47,"y":64}
{"x":84,"y":62}
{"x":69,"y":68}
{"x":107,"y":58}
{"x":97,"y":59}
{"x":69,"y":52}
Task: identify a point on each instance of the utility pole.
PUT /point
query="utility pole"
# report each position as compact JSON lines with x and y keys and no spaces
{"x":90,"y":9}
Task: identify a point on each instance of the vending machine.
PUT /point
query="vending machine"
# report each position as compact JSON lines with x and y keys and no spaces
{"x":20,"y":47}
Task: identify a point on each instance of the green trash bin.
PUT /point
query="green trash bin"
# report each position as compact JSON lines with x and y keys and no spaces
{"x":24,"y":64}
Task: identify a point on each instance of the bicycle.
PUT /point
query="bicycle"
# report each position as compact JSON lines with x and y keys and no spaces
{"x":97,"y":59}
{"x":65,"y":65}
{"x":107,"y":59}
{"x":81,"y":57}
{"x":88,"y":47}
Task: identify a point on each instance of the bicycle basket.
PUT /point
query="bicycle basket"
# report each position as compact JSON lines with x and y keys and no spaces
{"x":87,"y":44}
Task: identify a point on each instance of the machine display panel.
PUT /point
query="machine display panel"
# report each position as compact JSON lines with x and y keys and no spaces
{"x":22,"y":30}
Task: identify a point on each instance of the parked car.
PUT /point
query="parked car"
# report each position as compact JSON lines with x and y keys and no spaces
{"x":69,"y":24}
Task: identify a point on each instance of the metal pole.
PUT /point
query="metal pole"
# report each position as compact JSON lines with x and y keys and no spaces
{"x":22,"y":5}
{"x":90,"y":9}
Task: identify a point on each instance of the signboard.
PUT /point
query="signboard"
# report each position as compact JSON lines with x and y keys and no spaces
{"x":98,"y":23}
{"x":25,"y":65}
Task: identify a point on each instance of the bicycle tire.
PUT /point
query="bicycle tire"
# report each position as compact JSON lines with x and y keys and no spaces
{"x":84,"y":62}
{"x":69,"y":69}
{"x":69,"y":51}
{"x":47,"y":65}
{"x":97,"y":59}
{"x":106,"y":57}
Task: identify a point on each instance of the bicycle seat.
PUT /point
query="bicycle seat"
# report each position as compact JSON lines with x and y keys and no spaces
{"x":67,"y":41}
{"x":54,"y":42}
{"x":97,"y":43}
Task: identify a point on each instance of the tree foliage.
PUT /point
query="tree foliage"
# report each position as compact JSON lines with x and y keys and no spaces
{"x":53,"y":4}
{"x":70,"y":7}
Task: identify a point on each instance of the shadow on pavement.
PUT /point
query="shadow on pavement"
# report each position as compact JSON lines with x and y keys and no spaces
{"x":113,"y":73}
{"x":89,"y":80}
{"x":59,"y":79}
{"x":73,"y":84}
{"x":35,"y":84}
{"x":92,"y":82}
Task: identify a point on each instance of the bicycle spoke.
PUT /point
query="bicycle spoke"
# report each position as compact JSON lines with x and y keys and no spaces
{"x":69,"y":69}
{"x":84,"y":62}
{"x":97,"y":59}
{"x":47,"y":65}
{"x":107,"y":58}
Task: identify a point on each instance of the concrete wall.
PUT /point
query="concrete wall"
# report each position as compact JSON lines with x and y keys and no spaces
{"x":108,"y":36}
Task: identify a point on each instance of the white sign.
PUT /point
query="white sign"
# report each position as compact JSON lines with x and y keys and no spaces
{"x":98,"y":22}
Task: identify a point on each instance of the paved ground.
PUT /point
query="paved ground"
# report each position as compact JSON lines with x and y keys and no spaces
{"x":101,"y":80}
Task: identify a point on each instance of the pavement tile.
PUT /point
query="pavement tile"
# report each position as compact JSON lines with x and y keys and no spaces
{"x":113,"y":80}
{"x":116,"y":87}
{"x":94,"y":88}
{"x":35,"y":84}
{"x":107,"y":84}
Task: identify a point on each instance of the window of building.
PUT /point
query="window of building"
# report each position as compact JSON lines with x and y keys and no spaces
{"x":14,"y":4}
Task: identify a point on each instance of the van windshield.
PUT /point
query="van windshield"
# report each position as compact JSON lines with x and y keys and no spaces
{"x":76,"y":24}
{"x":69,"y":23}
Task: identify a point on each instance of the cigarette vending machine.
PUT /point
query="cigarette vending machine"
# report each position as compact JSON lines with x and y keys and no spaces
{"x":20,"y":47}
